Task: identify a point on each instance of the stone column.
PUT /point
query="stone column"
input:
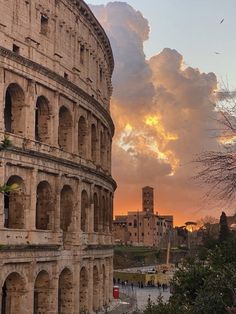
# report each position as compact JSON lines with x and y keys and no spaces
{"x":91,"y":211}
{"x":2,"y":100}
{"x":30,"y":106}
{"x":77,"y":287}
{"x":89,"y":138}
{"x":53,"y":305}
{"x":90,"y":286}
{"x":55,"y":120}
{"x":2,"y":182}
{"x":30,"y":212}
{"x":56,"y":203}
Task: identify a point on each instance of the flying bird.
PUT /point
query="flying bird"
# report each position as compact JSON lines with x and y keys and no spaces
{"x":222,"y":21}
{"x":217,"y":53}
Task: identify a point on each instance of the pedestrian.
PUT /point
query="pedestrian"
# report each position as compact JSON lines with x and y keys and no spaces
{"x":132,"y":286}
{"x":163,"y":287}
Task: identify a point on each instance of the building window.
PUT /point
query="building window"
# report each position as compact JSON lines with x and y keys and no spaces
{"x":142,"y":234}
{"x":66,"y":75}
{"x":100,"y":74}
{"x":158,"y":224}
{"x":44,"y":24}
{"x":82,"y":52}
{"x":16,"y":48}
{"x":130,"y":224}
{"x":130,"y":234}
{"x":140,"y":224}
{"x":135,"y":223}
{"x":135,"y":234}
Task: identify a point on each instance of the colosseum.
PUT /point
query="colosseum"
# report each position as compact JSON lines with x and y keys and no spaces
{"x":56,"y":133}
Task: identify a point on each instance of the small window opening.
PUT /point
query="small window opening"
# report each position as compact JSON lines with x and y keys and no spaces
{"x":44,"y":24}
{"x":66,"y":76}
{"x":82,"y":51}
{"x":100,"y":75}
{"x":15,"y":48}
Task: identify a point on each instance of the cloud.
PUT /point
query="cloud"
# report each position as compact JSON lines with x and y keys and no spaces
{"x":164,"y":114}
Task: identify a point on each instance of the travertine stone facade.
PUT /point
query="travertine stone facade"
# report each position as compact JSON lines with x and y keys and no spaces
{"x":55,"y":229}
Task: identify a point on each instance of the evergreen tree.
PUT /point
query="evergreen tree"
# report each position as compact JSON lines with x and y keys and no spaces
{"x":224,"y":229}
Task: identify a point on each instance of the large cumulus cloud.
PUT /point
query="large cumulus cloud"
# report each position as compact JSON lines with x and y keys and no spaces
{"x":164,"y":114}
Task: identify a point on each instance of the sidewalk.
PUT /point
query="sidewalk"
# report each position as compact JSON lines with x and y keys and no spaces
{"x":126,"y":304}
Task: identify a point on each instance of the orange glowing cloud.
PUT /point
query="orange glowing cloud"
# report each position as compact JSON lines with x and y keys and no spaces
{"x":164,"y":114}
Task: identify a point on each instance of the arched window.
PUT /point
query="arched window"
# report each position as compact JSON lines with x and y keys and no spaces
{"x":66,"y":207}
{"x":13,"y":111}
{"x":94,"y":143}
{"x":13,"y":291}
{"x":96,"y":212}
{"x":42,"y":293}
{"x":44,"y":206}
{"x":65,"y":293}
{"x":15,"y":204}
{"x":82,"y":132}
{"x":83,"y":290}
{"x":42,"y":120}
{"x":84,"y":211}
{"x":65,"y":129}
{"x":95,"y":289}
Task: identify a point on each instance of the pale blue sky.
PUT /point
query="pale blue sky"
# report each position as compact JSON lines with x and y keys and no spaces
{"x":193,"y":28}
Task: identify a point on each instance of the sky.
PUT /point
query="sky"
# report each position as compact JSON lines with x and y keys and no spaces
{"x":170,"y":59}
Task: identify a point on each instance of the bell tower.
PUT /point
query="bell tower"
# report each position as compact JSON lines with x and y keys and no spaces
{"x":148,"y":199}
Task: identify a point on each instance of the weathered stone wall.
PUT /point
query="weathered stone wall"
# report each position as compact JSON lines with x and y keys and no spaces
{"x":55,"y":229}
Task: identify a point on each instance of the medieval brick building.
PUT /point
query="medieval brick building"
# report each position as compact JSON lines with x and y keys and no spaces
{"x":55,"y":229}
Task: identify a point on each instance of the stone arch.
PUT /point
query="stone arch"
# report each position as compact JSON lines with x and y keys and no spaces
{"x":44,"y":206}
{"x":82,"y":132}
{"x":65,"y":292}
{"x":66,"y":207}
{"x":13,"y":291}
{"x":42,"y":120}
{"x":83,"y":299}
{"x":65,"y":129}
{"x":15,"y":204}
{"x":42,"y":293}
{"x":84,"y":211}
{"x":13,"y":111}
{"x":96,"y":212}
{"x":94,"y":143}
{"x":96,"y":289}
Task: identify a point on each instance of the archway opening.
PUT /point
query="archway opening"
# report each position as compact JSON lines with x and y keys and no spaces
{"x":66,"y":207}
{"x":13,"y":110}
{"x":65,"y":292}
{"x":102,"y":149}
{"x":14,"y":204}
{"x":44,"y":206}
{"x":42,"y":119}
{"x":65,"y":129}
{"x":42,"y":293}
{"x":13,"y":291}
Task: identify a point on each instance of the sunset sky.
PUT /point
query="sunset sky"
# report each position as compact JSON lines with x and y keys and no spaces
{"x":171,"y":56}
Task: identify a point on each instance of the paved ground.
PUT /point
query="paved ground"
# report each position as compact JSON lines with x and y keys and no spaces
{"x":136,"y":299}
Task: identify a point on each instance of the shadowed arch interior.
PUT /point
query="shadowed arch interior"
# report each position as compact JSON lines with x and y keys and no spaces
{"x":42,"y":120}
{"x":44,"y":206}
{"x":65,"y":292}
{"x":13,"y":111}
{"x":65,"y":129}
{"x":42,"y":293}
{"x":15,"y":203}
{"x":82,"y":132}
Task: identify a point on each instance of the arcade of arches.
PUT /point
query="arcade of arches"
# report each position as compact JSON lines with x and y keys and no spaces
{"x":91,"y":142}
{"x":56,"y":290}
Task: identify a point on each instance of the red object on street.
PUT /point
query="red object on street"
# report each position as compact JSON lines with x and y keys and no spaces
{"x":116,"y":292}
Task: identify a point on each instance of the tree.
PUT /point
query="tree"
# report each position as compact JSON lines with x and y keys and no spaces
{"x":203,"y":286}
{"x":224,"y":229}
